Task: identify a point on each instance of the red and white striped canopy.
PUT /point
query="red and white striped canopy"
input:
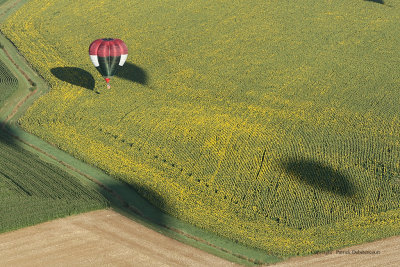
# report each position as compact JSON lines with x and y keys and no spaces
{"x":108,"y":48}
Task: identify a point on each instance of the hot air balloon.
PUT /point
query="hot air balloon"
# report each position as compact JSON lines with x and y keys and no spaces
{"x":107,"y":56}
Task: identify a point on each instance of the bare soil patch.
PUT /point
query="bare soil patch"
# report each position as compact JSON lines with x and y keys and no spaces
{"x":98,"y":238}
{"x":383,"y":252}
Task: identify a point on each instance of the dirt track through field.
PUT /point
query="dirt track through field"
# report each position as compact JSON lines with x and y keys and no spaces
{"x":388,"y":255}
{"x":96,"y":239}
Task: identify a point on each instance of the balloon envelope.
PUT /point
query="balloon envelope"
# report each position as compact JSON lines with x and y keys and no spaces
{"x":108,"y":55}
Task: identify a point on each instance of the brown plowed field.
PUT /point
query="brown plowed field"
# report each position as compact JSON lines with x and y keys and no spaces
{"x":107,"y":238}
{"x":388,"y":254}
{"x":98,"y":238}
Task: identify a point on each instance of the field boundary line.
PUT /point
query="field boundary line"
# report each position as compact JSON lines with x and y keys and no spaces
{"x":8,"y":6}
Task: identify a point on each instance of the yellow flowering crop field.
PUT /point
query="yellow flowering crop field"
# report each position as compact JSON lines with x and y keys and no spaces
{"x":273,"y":123}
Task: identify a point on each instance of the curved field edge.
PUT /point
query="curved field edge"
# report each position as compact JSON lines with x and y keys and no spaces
{"x":33,"y":191}
{"x":123,"y":198}
{"x":387,"y":219}
{"x":21,"y":90}
{"x":7,"y":7}
{"x":8,"y":83}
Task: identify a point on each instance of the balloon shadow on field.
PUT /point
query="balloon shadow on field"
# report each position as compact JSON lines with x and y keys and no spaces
{"x":132,"y":72}
{"x":75,"y":76}
{"x":319,"y":176}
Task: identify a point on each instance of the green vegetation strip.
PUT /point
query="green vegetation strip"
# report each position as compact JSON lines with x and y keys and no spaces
{"x":8,"y":83}
{"x":13,"y":84}
{"x":31,"y":190}
{"x":7,"y":7}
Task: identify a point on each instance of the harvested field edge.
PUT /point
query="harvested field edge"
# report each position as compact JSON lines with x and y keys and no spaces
{"x":123,"y":198}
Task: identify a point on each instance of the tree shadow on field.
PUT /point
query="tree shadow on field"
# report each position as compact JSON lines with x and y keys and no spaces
{"x":376,"y":1}
{"x":319,"y":176}
{"x":9,"y":142}
{"x":6,"y":136}
{"x":135,"y":199}
{"x":75,"y":76}
{"x":139,"y":200}
{"x":132,"y":72}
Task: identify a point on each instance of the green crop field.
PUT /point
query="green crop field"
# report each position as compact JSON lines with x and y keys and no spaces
{"x":33,"y":191}
{"x":273,"y":123}
{"x":8,"y":83}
